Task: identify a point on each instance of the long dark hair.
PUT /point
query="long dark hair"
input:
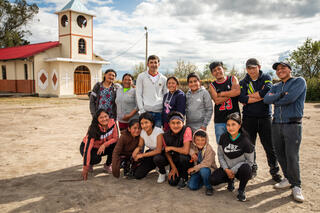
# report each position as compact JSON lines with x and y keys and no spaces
{"x":94,"y":129}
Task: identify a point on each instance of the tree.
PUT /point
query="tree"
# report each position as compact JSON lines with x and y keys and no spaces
{"x":137,"y":69}
{"x":239,"y":75}
{"x":305,"y":60}
{"x":182,"y":69}
{"x":206,"y":74}
{"x":13,"y":17}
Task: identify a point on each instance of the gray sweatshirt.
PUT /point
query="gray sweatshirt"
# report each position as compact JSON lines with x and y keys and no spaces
{"x":150,"y":95}
{"x":126,"y":102}
{"x":199,"y":108}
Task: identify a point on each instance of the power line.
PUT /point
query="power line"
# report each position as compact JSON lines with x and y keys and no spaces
{"x":125,"y":51}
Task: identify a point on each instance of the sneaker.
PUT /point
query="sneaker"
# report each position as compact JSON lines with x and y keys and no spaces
{"x":283,"y":184}
{"x":277,"y":178}
{"x":108,"y":169}
{"x":209,"y":192}
{"x":230,"y":186}
{"x":297,"y":194}
{"x":182,"y":183}
{"x":241,"y":196}
{"x":161,"y":178}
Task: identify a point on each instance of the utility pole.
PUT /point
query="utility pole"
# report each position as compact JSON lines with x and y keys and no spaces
{"x":145,"y":67}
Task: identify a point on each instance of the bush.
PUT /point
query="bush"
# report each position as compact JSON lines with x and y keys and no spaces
{"x":313,"y":89}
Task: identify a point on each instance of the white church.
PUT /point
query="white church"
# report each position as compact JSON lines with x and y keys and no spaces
{"x":63,"y":68}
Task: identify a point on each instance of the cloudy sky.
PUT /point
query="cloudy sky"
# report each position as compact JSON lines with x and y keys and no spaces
{"x":197,"y":31}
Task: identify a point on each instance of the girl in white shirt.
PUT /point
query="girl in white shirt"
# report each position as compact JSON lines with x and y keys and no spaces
{"x":151,"y":138}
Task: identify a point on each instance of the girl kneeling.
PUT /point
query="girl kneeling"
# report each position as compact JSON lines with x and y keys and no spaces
{"x":127,"y":143}
{"x":99,"y":141}
{"x":177,"y":146}
{"x":235,"y":154}
{"x":151,"y":137}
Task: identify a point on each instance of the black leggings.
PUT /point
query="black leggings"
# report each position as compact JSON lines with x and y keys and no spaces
{"x":95,"y":158}
{"x":182,"y":162}
{"x":149,"y":163}
{"x":243,"y":175}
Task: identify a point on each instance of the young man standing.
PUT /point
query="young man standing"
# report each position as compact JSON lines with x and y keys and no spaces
{"x":150,"y":89}
{"x":256,"y":114}
{"x":288,"y":97}
{"x":224,"y":91}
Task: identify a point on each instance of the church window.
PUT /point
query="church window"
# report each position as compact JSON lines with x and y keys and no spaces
{"x":82,"y":45}
{"x":82,"y":21}
{"x":64,"y":20}
{"x":25,"y":71}
{"x":4,"y":72}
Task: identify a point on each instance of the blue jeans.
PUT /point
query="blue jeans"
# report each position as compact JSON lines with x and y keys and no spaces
{"x":219,"y":129}
{"x":286,"y":139}
{"x":157,"y":118}
{"x":197,"y":180}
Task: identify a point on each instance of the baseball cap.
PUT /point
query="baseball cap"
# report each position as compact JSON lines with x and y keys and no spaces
{"x":275,"y":65}
{"x":252,"y":62}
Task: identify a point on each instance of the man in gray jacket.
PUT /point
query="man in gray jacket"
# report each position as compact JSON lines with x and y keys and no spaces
{"x":150,"y":89}
{"x":288,"y":97}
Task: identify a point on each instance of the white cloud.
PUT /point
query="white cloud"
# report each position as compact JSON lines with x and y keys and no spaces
{"x":195,"y":31}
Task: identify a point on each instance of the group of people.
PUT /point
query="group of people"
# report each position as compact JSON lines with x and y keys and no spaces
{"x":163,"y":127}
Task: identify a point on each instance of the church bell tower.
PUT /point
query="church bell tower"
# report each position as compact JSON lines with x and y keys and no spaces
{"x":76,"y":31}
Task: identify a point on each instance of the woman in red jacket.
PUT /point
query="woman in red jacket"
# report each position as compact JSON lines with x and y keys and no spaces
{"x":100,"y":140}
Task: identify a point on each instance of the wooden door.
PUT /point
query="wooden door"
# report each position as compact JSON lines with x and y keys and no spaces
{"x":82,"y":82}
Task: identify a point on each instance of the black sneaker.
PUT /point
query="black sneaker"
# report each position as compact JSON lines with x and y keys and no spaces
{"x":182,"y":183}
{"x":209,"y":192}
{"x":277,"y":178}
{"x":230,"y":186}
{"x":241,"y":196}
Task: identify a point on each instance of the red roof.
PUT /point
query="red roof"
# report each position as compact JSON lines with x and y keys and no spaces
{"x":26,"y":50}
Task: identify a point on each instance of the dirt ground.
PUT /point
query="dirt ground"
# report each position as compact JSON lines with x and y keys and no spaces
{"x":40,"y":161}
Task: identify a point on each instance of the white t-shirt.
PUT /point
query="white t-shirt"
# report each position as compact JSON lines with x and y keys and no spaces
{"x":150,"y":141}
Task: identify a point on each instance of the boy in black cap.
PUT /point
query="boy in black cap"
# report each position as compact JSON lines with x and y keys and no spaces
{"x":256,"y":114}
{"x":288,"y":97}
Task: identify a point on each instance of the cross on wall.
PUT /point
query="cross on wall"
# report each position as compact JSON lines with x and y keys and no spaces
{"x":66,"y":80}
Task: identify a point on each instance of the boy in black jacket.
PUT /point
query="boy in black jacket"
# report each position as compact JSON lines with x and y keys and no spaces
{"x":256,"y":114}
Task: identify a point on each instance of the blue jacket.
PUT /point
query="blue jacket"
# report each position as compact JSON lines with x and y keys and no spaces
{"x":177,"y":103}
{"x":288,"y":99}
{"x":261,"y":85}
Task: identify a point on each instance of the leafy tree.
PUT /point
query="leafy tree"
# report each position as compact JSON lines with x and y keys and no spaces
{"x":13,"y":17}
{"x":237,"y":73}
{"x":305,"y":60}
{"x":183,"y":69}
{"x":206,"y":74}
{"x":137,"y":69}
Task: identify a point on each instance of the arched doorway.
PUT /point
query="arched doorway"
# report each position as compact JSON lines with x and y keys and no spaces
{"x":82,"y":80}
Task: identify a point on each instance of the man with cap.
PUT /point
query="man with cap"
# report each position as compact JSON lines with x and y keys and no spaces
{"x":257,"y":114}
{"x":288,"y":97}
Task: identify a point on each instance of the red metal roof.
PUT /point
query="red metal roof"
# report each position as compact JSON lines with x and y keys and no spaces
{"x":26,"y":50}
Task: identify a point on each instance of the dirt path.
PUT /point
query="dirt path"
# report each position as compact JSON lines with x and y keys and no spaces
{"x":40,"y":152}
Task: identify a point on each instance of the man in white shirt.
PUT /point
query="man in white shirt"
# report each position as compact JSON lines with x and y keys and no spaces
{"x":150,"y":89}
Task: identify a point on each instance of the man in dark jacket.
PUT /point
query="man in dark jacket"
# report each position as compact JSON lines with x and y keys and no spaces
{"x":288,"y":97}
{"x":256,"y":114}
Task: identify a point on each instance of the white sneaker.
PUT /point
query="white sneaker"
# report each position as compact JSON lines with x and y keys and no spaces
{"x":161,"y":178}
{"x":283,"y":184}
{"x":297,"y":194}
